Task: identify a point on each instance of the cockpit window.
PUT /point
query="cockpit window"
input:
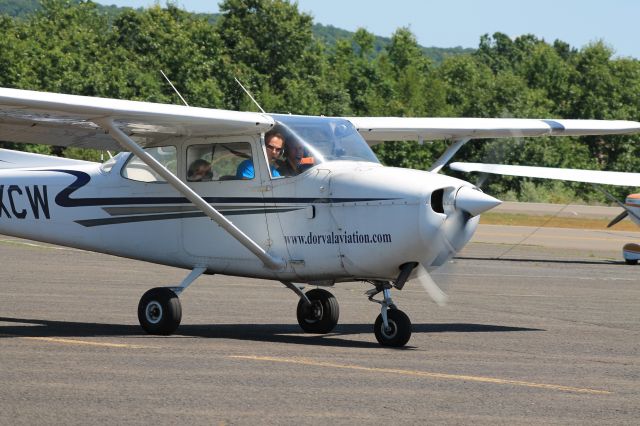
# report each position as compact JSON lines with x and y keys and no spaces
{"x":316,"y":140}
{"x":136,"y":169}
{"x":218,"y":161}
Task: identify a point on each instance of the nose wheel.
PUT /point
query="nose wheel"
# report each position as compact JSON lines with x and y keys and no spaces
{"x":392,"y":327}
{"x":397,"y":332}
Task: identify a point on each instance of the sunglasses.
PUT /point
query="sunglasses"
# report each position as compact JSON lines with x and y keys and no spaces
{"x":274,"y":148}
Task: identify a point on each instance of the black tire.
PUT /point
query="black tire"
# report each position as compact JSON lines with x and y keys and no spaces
{"x":400,"y":329}
{"x":159,"y":311}
{"x":322,"y":316}
{"x":631,"y":261}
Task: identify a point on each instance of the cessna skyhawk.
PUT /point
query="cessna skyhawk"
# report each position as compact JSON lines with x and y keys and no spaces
{"x":345,"y":217}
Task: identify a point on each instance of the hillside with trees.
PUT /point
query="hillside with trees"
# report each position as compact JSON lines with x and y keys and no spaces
{"x":78,"y":47}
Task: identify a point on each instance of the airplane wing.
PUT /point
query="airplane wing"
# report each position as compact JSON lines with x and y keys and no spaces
{"x":380,"y":129}
{"x":100,"y":123}
{"x":574,"y":175}
{"x":69,"y":120}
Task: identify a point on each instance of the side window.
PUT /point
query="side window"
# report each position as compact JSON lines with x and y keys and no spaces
{"x":135,"y":169}
{"x":218,"y":161}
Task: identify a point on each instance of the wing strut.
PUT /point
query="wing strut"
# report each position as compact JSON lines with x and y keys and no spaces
{"x":127,"y":143}
{"x":448,"y":154}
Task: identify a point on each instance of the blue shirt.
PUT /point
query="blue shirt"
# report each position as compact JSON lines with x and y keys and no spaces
{"x":245,"y":170}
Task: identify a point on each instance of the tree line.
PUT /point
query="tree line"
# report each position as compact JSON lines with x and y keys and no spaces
{"x":76,"y":47}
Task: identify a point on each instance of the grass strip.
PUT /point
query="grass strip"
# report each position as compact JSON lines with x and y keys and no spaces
{"x":516,"y":219}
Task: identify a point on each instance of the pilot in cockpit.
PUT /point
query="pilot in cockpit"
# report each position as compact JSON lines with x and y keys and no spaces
{"x":274,"y":143}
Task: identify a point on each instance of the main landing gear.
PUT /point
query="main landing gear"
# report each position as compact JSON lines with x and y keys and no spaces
{"x":318,"y":310}
{"x":321,"y":314}
{"x":159,"y":310}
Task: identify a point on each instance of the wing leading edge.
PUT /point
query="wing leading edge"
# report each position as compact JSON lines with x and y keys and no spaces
{"x":70,"y":120}
{"x":380,"y":129}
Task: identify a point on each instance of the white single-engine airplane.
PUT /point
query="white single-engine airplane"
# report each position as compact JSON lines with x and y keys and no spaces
{"x":344,"y":218}
{"x":631,"y":206}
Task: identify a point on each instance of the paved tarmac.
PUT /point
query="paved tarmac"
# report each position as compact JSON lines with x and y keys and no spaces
{"x":540,"y":333}
{"x":558,"y":210}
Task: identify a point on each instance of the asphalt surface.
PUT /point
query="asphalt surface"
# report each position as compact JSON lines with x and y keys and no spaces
{"x":558,"y":210}
{"x":533,"y":334}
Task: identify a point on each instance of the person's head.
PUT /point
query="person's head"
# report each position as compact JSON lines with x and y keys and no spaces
{"x":274,"y":142}
{"x":295,"y":152}
{"x":199,"y":170}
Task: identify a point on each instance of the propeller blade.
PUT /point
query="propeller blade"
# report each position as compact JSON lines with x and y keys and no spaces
{"x":482,"y":179}
{"x":618,"y":218}
{"x":430,"y":286}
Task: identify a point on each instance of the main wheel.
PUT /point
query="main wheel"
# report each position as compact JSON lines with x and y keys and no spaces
{"x":631,"y":261}
{"x":159,"y":311}
{"x":399,"y":331}
{"x":322,"y":316}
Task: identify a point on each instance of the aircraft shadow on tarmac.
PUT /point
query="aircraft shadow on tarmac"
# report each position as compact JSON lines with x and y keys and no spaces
{"x":281,"y":333}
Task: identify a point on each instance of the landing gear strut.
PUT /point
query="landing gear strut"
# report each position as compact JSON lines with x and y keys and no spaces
{"x":392,"y":327}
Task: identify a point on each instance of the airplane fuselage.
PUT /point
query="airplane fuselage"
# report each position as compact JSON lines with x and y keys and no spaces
{"x":338,"y":221}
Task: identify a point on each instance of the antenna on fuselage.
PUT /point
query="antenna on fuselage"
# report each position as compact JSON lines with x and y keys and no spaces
{"x":173,"y":87}
{"x":248,"y":93}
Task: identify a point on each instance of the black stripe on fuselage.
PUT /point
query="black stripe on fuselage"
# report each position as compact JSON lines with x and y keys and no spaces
{"x":63,"y":199}
{"x":169,"y":216}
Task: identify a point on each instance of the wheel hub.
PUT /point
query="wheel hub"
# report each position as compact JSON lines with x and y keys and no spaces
{"x":391,"y":331}
{"x":315,"y":312}
{"x":153,"y":312}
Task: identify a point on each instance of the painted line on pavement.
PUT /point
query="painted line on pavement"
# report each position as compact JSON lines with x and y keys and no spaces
{"x":416,"y":373}
{"x":80,"y":342}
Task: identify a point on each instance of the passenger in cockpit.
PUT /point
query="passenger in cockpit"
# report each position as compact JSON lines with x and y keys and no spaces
{"x":199,"y":171}
{"x":294,"y":161}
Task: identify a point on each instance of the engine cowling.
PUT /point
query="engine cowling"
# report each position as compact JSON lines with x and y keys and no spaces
{"x":461,"y":208}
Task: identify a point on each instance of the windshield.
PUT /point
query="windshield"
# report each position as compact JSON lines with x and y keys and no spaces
{"x":323,"y":138}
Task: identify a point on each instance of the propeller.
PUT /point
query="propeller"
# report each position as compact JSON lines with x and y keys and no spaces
{"x":462,"y":206}
{"x":430,"y":286}
{"x":618,"y":218}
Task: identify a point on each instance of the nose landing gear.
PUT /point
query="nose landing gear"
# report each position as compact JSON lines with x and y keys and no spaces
{"x":397,"y":332}
{"x":392,"y":327}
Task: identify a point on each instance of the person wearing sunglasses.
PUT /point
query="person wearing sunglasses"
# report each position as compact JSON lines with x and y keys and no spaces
{"x":274,"y":142}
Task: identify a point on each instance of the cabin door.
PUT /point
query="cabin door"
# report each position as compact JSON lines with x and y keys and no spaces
{"x":212,"y":170}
